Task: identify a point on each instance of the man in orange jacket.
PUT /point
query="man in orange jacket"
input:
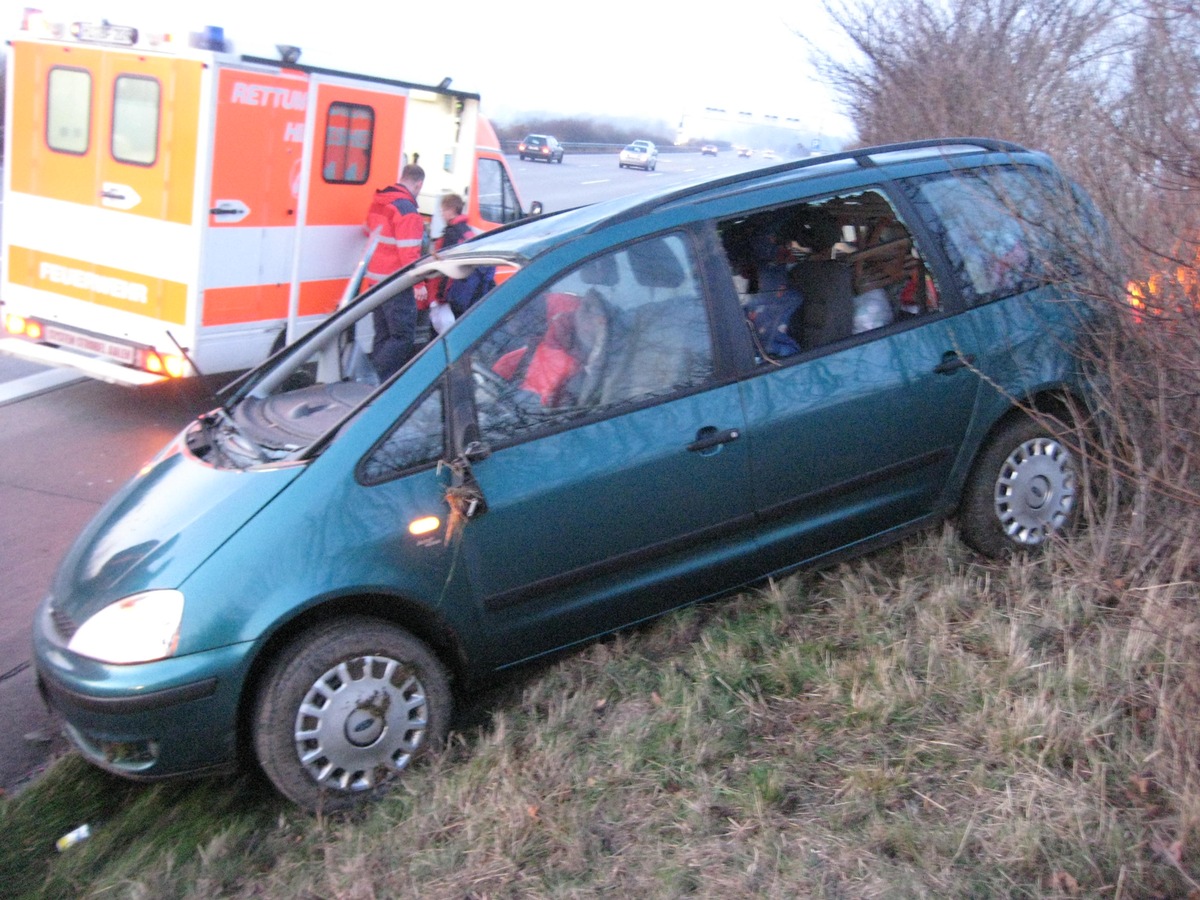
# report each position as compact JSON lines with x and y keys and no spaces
{"x":394,"y":216}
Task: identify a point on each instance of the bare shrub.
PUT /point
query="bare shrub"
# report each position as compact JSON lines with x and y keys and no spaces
{"x":1112,"y":90}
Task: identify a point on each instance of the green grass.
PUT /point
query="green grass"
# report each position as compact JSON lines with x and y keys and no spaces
{"x":913,"y":724}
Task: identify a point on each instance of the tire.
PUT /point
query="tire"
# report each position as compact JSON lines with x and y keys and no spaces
{"x":1022,"y":490}
{"x":344,"y":709}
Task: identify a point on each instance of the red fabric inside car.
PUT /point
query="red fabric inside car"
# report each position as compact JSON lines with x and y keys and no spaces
{"x":552,"y":363}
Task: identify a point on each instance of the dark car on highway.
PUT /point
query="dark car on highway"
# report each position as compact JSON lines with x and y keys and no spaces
{"x":664,"y":399}
{"x":540,"y":146}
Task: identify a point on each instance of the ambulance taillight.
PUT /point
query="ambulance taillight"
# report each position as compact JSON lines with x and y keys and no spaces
{"x":162,"y":364}
{"x":19,"y":326}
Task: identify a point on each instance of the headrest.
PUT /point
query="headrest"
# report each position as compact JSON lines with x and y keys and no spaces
{"x":655,"y":265}
{"x":602,"y":271}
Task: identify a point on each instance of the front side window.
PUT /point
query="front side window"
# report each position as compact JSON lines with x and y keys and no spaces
{"x":68,"y":110}
{"x":622,"y":330}
{"x":136,"y":119}
{"x":349,"y":133}
{"x":814,"y":273}
{"x":996,"y":225}
{"x":416,"y":441}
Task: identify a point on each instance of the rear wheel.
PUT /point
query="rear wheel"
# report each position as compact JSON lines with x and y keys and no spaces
{"x":1022,"y":491}
{"x":345,"y":709}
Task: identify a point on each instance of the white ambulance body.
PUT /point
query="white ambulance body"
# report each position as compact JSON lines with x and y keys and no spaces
{"x":173,"y":209}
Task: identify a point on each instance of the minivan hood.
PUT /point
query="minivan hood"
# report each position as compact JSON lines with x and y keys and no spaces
{"x":160,"y":526}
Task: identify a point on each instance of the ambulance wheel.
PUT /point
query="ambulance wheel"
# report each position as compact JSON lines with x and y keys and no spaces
{"x":1022,"y":491}
{"x":345,"y":709}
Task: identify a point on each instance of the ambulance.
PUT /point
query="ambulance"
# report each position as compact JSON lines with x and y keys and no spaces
{"x":172,"y":208}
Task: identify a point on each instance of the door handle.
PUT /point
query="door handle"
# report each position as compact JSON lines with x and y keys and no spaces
{"x":709,"y":438}
{"x":952,"y":361}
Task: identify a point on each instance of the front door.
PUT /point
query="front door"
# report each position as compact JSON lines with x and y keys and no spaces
{"x":617,"y":483}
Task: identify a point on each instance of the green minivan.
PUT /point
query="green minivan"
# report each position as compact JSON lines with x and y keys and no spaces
{"x":663,"y":399}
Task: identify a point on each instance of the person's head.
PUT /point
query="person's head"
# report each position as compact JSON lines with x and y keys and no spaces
{"x":412,"y":177}
{"x":452,"y":206}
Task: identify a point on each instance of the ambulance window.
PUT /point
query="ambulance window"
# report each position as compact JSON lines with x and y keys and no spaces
{"x":135,"y":120}
{"x":349,"y":132}
{"x":497,"y":196}
{"x":69,"y":110}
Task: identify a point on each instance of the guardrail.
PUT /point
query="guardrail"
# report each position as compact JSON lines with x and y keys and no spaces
{"x":582,"y":147}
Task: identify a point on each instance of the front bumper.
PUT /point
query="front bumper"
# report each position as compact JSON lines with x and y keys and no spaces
{"x":177,"y":716}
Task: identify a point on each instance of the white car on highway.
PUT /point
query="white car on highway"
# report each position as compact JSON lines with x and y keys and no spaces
{"x":639,"y":155}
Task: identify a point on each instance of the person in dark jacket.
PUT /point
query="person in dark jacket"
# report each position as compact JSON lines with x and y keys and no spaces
{"x":461,"y":293}
{"x":400,"y":229}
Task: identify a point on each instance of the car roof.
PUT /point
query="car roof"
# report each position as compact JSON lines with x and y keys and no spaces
{"x":528,"y":238}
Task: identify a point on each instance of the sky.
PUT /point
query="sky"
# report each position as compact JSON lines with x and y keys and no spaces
{"x":648,"y":61}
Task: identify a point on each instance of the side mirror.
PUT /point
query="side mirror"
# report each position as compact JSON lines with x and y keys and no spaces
{"x":535,"y":208}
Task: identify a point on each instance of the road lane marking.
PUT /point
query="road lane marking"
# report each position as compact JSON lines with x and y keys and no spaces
{"x":20,"y":388}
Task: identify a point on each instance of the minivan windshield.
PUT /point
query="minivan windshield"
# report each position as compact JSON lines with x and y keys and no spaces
{"x":292,"y":404}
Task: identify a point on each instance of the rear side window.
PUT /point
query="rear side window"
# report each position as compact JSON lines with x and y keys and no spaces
{"x":349,"y":134}
{"x":68,"y":110}
{"x":816,"y":273}
{"x":1004,"y":229}
{"x":136,"y":106}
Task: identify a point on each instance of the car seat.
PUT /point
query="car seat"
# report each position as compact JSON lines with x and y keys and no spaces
{"x":827,"y":313}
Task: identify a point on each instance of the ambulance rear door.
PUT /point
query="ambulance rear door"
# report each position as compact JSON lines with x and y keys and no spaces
{"x":99,"y":241}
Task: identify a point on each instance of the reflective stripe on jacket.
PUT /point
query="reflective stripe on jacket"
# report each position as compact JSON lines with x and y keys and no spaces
{"x":401,"y":232}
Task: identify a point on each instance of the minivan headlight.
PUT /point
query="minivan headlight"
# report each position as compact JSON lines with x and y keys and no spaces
{"x":138,"y":628}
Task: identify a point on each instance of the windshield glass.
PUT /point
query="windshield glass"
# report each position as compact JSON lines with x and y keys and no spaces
{"x":291,"y":405}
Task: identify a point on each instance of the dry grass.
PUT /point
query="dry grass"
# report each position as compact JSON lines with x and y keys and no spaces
{"x":914,"y":724}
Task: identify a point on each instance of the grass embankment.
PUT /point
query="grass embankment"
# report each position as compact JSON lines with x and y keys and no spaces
{"x":916,"y":723}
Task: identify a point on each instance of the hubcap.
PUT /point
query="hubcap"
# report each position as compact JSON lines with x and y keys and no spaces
{"x":1035,"y":491}
{"x":361,"y":722}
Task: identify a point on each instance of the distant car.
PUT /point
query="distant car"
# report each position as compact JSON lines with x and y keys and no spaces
{"x":709,"y":150}
{"x":745,"y":151}
{"x":768,"y":154}
{"x":540,"y":146}
{"x":639,"y":155}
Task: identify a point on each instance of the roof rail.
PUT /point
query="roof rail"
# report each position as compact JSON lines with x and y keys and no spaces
{"x":862,"y":156}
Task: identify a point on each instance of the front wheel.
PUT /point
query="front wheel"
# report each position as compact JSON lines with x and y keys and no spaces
{"x":345,"y":709}
{"x":1022,"y":491}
